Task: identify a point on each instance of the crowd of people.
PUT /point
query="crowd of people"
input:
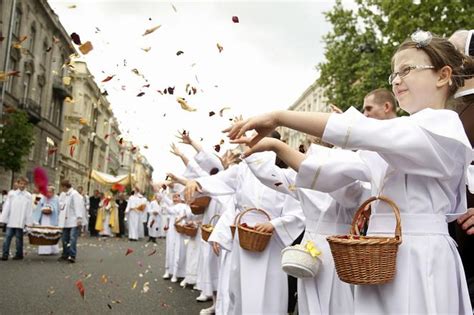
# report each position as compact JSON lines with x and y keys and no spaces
{"x":421,"y":162}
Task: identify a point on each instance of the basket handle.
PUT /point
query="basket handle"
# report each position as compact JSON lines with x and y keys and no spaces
{"x":252,"y":209}
{"x":213,"y":217}
{"x":391,"y":203}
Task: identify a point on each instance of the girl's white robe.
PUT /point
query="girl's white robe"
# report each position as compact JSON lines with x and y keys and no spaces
{"x":420,"y":162}
{"x":258,"y":285}
{"x":154,"y":220}
{"x":178,"y":268}
{"x":324,"y":216}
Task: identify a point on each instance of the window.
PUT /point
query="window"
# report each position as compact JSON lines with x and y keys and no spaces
{"x":50,"y":154}
{"x":31,"y":157}
{"x":12,"y":79}
{"x":32,"y":36}
{"x":40,"y":92}
{"x":17,"y":22}
{"x":44,"y":60}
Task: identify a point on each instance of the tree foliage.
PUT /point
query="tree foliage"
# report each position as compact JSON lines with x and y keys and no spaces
{"x":360,"y":46}
{"x":16,"y":140}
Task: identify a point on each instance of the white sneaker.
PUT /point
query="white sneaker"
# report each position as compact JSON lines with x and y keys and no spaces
{"x":195,"y":287}
{"x":174,"y":279}
{"x":209,"y":310}
{"x":166,"y":276}
{"x":183,"y":284}
{"x":203,"y":298}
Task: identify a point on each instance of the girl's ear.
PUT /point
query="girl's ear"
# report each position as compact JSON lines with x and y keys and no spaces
{"x":445,"y":74}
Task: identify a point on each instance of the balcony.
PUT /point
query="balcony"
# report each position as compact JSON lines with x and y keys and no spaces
{"x":60,"y":89}
{"x":32,"y":108}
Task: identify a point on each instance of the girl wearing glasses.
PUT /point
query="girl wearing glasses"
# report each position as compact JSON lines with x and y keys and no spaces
{"x":418,"y":161}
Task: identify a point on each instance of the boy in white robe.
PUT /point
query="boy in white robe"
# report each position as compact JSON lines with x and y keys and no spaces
{"x":16,"y":213}
{"x":178,"y":268}
{"x":135,"y":207}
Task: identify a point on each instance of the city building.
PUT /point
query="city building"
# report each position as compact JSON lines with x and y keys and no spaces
{"x":311,"y":100}
{"x":39,"y":48}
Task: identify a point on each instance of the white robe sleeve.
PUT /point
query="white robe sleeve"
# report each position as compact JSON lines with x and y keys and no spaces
{"x":207,"y":161}
{"x":291,"y":223}
{"x":422,"y":144}
{"x":6,"y":210}
{"x":193,"y":170}
{"x":328,"y":170}
{"x":78,"y":202}
{"x":221,"y":233}
{"x":281,"y":180}
{"x":222,"y":183}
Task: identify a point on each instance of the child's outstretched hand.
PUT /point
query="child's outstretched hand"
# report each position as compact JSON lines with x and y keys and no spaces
{"x":263,"y":124}
{"x":266,"y":144}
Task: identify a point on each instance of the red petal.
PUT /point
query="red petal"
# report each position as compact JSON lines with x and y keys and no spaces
{"x":76,"y":39}
{"x":235,"y":19}
{"x":110,"y":77}
{"x":129,"y":251}
{"x":81,"y":288}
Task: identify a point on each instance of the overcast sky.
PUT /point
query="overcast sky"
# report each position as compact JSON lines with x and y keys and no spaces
{"x":267,"y":61}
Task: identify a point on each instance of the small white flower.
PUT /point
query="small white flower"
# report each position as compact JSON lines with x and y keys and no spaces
{"x":421,"y":38}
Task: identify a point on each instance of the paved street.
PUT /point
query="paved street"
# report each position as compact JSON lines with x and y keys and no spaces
{"x":42,"y":285}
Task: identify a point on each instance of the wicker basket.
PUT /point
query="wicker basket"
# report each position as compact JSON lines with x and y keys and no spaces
{"x":251,"y":239}
{"x":44,"y":235}
{"x":190,"y":230}
{"x":186,"y":229}
{"x":299,"y":263}
{"x":200,"y":204}
{"x":232,"y":226}
{"x":206,"y":229}
{"x":366,"y":259}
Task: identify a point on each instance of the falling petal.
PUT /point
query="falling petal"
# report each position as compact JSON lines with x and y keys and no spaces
{"x":174,"y":8}
{"x":151,"y":30}
{"x":217,"y":148}
{"x":146,"y":49}
{"x":211,"y":113}
{"x":80,"y":287}
{"x":109,"y":306}
{"x":235,"y":19}
{"x":72,"y":6}
{"x":179,"y":52}
{"x":278,"y":184}
{"x":86,"y":48}
{"x":221,"y":111}
{"x":107,"y":79}
{"x":140,"y":94}
{"x":76,"y":39}
{"x":219,"y":46}
{"x":129,"y":251}
{"x":83,"y":121}
{"x":40,"y":178}
{"x":184,"y":105}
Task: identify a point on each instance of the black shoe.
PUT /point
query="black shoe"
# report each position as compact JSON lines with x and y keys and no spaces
{"x":62,"y":258}
{"x":4,"y":258}
{"x":17,"y":257}
{"x":71,"y":259}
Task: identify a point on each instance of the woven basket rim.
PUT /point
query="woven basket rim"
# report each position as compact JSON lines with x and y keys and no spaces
{"x":364,"y":240}
{"x":254,"y":231}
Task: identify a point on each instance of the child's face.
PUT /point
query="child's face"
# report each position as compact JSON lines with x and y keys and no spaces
{"x":21,"y":185}
{"x":176,"y":198}
{"x":417,"y":90}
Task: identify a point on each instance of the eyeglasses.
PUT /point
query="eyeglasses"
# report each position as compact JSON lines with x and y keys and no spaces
{"x":405,"y":71}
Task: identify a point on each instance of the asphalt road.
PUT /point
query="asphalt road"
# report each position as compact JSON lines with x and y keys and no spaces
{"x":113,"y":282}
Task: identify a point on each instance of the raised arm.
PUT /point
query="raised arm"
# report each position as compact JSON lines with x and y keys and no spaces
{"x":175,"y":150}
{"x":185,"y":138}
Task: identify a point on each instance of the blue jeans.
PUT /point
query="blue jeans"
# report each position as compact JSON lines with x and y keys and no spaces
{"x":69,"y":242}
{"x":8,"y":239}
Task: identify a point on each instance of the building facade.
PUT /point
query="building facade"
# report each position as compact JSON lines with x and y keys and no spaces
{"x":38,"y":48}
{"x":311,"y":100}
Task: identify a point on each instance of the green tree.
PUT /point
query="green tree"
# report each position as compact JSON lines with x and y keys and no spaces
{"x":360,"y":46}
{"x":16,"y":140}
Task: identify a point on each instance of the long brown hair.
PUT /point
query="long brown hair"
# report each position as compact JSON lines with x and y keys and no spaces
{"x":443,"y":53}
